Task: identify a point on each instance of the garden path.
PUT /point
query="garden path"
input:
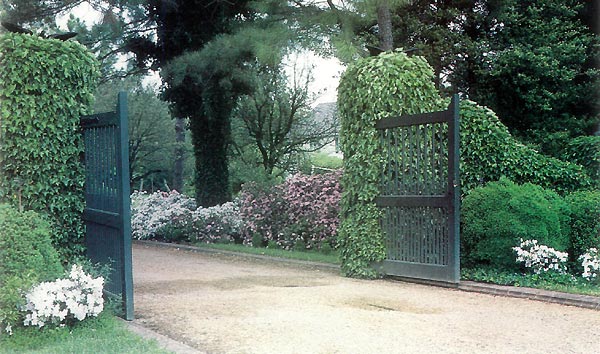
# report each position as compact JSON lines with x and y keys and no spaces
{"x":228,"y":304}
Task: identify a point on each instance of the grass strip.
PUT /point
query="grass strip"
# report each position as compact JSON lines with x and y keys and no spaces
{"x":104,"y":334}
{"x":311,"y":256}
{"x":554,"y":282}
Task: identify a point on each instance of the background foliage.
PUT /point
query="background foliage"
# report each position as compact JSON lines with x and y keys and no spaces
{"x":371,"y":89}
{"x":488,"y":151}
{"x":585,"y":151}
{"x":45,"y":86}
{"x":152,"y":137}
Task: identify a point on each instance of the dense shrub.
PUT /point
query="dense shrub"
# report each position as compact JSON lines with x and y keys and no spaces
{"x":161,"y":215}
{"x":220,"y":223}
{"x":488,"y":152}
{"x":26,"y":256}
{"x":171,"y":216}
{"x":301,"y":213}
{"x":45,"y":86}
{"x":496,"y":217}
{"x":585,"y":221}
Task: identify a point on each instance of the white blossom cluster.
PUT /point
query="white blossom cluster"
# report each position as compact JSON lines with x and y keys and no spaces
{"x":541,"y":258}
{"x":152,"y":212}
{"x":591,"y":264}
{"x":76,"y":297}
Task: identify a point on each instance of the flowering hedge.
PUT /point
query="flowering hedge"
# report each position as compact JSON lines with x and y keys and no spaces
{"x":172,"y":216}
{"x":300,"y":213}
{"x":160,"y":214}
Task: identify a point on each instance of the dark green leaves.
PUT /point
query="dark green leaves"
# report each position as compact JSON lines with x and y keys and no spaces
{"x":46,"y":86}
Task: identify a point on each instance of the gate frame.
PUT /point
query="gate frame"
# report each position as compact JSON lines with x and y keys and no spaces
{"x":450,"y":201}
{"x":122,"y":219}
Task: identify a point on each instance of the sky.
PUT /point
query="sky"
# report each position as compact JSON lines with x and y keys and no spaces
{"x":326,"y":71}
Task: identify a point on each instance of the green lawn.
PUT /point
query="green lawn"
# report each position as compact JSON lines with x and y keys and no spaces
{"x":311,"y":256}
{"x":105,"y":334}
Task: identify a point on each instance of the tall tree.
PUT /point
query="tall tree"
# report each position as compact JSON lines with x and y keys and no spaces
{"x":277,"y":119}
{"x":535,"y":70}
{"x":185,"y":26}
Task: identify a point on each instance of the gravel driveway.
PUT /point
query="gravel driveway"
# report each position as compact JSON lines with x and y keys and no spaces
{"x":226,"y":304}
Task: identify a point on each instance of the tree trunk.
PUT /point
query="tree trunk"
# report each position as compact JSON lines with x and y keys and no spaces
{"x":210,"y":139}
{"x":179,"y":154}
{"x":384,"y":22}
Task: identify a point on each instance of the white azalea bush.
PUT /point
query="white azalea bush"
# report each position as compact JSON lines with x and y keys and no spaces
{"x":590,"y":261}
{"x":173,"y":216}
{"x":65,"y":300}
{"x":540,"y":258}
{"x":160,"y":215}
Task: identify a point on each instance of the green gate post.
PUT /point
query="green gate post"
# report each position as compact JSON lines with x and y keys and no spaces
{"x":125,"y":204}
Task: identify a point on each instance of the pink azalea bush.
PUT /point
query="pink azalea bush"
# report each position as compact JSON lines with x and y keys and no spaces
{"x":221,"y":223}
{"x":303,"y":212}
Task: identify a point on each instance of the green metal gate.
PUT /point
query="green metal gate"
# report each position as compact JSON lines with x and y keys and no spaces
{"x":107,"y":214}
{"x":420,"y":195}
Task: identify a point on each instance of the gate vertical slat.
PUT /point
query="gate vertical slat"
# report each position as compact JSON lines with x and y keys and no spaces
{"x":420,"y":194}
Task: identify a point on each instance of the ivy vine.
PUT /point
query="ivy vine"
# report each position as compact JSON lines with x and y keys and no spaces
{"x":45,"y":86}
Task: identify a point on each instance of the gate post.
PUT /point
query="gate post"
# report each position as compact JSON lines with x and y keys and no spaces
{"x":125,"y":205}
{"x":454,"y":183}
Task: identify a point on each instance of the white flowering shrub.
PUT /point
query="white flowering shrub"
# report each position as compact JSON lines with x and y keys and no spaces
{"x":541,"y":258}
{"x":64,"y":300}
{"x":160,"y":215}
{"x":174,"y":216}
{"x":221,"y":223}
{"x":590,"y":261}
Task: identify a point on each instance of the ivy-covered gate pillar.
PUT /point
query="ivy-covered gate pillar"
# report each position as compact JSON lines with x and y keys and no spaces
{"x":374,"y":88}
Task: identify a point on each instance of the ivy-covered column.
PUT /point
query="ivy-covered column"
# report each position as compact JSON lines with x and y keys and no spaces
{"x":373,"y":88}
{"x":45,"y":86}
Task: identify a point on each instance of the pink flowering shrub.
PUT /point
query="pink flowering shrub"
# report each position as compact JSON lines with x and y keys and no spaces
{"x":221,"y":223}
{"x":303,"y":212}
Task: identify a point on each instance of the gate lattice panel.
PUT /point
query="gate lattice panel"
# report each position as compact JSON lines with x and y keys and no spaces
{"x":107,"y":214}
{"x":420,"y":195}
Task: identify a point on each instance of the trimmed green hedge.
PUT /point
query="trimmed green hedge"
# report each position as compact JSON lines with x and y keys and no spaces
{"x":497,"y":216}
{"x":585,"y":221}
{"x":45,"y":86}
{"x":26,"y":257}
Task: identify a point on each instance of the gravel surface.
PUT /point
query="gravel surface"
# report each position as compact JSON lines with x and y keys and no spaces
{"x":226,"y":304}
